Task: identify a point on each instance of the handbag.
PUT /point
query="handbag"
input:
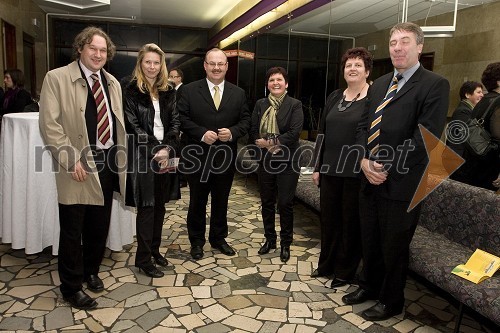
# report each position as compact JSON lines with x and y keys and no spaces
{"x":479,"y":141}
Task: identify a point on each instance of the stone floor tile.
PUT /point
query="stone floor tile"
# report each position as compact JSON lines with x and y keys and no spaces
{"x":157,"y":304}
{"x":251,"y":311}
{"x":406,"y":326}
{"x":315,"y":306}
{"x":93,"y":325}
{"x":27,"y":291}
{"x":434,"y":302}
{"x":288,"y":328}
{"x":243,"y":323}
{"x":298,"y":310}
{"x":191,"y":321}
{"x":305,"y":329}
{"x":171,"y":321}
{"x":270,"y":301}
{"x":179,"y":301}
{"x":43,"y":303}
{"x":142,"y":298}
{"x":279,"y":285}
{"x":414,"y":309}
{"x":270,"y":314}
{"x":426,"y":329}
{"x":216,"y":312}
{"x":277,"y":276}
{"x":106,"y":317}
{"x":201,"y":291}
{"x":299,"y":286}
{"x":353,"y":319}
{"x":235,"y":302}
{"x":270,"y":327}
{"x":182,"y":310}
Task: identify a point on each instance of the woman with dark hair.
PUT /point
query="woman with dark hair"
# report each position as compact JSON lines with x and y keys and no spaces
{"x":471,"y":93}
{"x":149,"y":105}
{"x":16,"y":97}
{"x":276,"y":125}
{"x":483,"y":171}
{"x":337,"y":173}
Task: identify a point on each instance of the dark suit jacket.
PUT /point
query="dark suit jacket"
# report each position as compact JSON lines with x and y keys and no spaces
{"x":198,"y":114}
{"x":290,"y":119}
{"x":461,"y":113}
{"x":423,"y":100}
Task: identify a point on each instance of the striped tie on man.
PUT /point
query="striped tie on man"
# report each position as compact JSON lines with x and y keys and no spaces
{"x":374,"y":133}
{"x":103,"y":128}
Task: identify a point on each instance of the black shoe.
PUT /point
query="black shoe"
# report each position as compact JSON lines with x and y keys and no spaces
{"x":358,"y":296}
{"x":94,"y":283}
{"x":267,"y":246}
{"x":151,"y":271}
{"x":159,"y":260}
{"x":336,"y":282}
{"x":196,"y":252}
{"x":285,"y":253}
{"x":379,"y":312}
{"x":224,"y":248}
{"x":81,"y":300}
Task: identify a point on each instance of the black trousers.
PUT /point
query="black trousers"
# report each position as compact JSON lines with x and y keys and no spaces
{"x":83,"y":234}
{"x":340,"y":226}
{"x":282,"y":185}
{"x":149,"y":225}
{"x":386,"y":232}
{"x":218,"y":186}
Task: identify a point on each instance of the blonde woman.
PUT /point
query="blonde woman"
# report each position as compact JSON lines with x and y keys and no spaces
{"x":149,"y":105}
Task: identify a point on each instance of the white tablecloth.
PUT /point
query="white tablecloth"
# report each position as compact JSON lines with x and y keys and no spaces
{"x":29,"y":216}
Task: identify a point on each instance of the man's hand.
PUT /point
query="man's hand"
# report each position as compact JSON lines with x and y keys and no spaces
{"x":315,"y":177}
{"x":373,"y":171}
{"x":79,"y":174}
{"x":210,"y":137}
{"x":224,"y":134}
{"x":161,"y":155}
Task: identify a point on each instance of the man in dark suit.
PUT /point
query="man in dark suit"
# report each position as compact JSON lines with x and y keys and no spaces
{"x":214,"y":115}
{"x":393,"y":165}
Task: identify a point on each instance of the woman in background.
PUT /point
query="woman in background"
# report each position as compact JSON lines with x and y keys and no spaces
{"x":16,"y":98}
{"x":484,"y":171}
{"x":276,"y":125}
{"x":336,"y":170}
{"x":471,"y":93}
{"x":149,"y":105}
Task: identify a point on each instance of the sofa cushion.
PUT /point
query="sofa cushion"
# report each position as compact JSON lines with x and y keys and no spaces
{"x":465,"y":214}
{"x":433,"y":256}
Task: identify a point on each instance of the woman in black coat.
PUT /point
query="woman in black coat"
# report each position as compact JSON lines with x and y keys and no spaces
{"x":16,"y":97}
{"x":151,"y":118}
{"x":276,"y":124}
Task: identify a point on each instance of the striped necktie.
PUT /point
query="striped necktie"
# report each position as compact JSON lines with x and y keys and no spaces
{"x":216,"y":97}
{"x":103,"y":128}
{"x":373,"y":134}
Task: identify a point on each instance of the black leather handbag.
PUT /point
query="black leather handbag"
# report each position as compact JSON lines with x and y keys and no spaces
{"x":479,"y":141}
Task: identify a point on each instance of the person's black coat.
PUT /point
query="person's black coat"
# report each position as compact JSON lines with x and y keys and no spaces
{"x":18,"y":102}
{"x":462,"y":113}
{"x":143,"y":145}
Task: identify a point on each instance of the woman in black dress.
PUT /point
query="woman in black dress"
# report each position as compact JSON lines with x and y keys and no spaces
{"x":336,"y":171}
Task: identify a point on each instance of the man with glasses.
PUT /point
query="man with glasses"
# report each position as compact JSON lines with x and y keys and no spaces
{"x":214,"y":115}
{"x":176,"y":76}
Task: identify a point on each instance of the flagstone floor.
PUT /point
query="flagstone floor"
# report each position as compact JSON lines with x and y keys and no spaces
{"x":244,"y":293}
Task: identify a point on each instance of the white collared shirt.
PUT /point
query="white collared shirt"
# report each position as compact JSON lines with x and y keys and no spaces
{"x":212,"y":91}
{"x":90,"y":81}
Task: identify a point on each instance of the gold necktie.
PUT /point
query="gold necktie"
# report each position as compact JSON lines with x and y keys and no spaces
{"x":216,"y":97}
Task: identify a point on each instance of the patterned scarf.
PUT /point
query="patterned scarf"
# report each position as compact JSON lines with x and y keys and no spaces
{"x":268,"y":124}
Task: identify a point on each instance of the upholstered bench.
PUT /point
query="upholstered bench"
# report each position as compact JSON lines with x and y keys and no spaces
{"x":457,"y":219}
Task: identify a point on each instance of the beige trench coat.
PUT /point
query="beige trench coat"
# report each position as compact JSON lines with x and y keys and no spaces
{"x":62,"y":123}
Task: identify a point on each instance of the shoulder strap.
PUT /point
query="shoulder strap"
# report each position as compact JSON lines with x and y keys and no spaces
{"x":486,"y":113}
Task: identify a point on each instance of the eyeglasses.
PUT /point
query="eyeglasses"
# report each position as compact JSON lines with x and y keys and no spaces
{"x":218,"y":64}
{"x":173,"y":76}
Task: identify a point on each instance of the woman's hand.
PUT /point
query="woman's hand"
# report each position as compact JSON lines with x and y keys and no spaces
{"x":161,"y":155}
{"x":315,"y":178}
